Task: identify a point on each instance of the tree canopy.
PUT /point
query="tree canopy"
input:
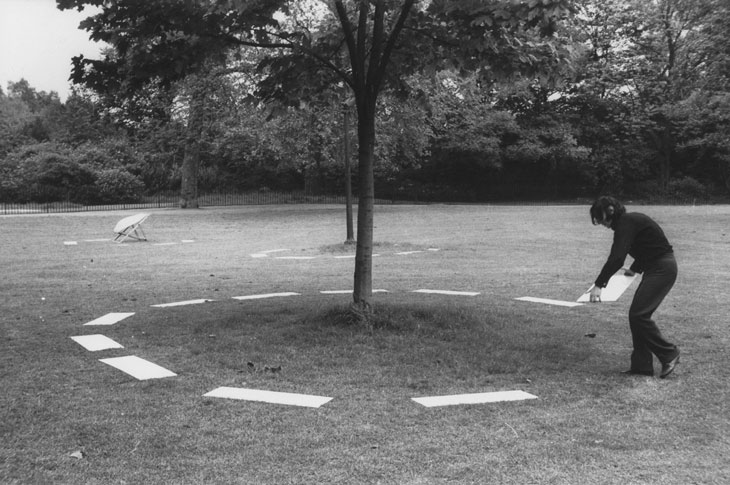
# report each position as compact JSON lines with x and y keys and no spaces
{"x":454,"y":100}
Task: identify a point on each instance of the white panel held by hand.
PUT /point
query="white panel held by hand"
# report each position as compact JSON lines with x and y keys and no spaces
{"x":616,"y":287}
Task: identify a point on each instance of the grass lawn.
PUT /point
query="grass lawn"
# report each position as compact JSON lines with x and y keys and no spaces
{"x":67,"y":418}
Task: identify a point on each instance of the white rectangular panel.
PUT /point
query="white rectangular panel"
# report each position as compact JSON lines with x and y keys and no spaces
{"x":182,"y":303}
{"x":548,"y":301}
{"x":109,"y":319}
{"x":484,"y":397}
{"x":272,"y":397}
{"x":448,"y":292}
{"x":138,"y":368}
{"x":616,"y":287}
{"x":264,"y":295}
{"x":97,"y":342}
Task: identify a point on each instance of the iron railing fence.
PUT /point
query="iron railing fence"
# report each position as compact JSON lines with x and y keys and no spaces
{"x":172,"y":199}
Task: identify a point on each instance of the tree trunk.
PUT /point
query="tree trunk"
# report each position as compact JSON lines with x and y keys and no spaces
{"x":189,"y":183}
{"x":348,"y":175}
{"x":368,"y":64}
{"x":363,"y":285}
{"x":661,"y":137}
{"x":191,"y":158}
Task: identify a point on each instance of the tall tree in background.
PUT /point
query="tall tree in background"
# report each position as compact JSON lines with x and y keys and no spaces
{"x":386,"y":40}
{"x":644,"y":58}
{"x":166,"y":40}
{"x":155,"y":45}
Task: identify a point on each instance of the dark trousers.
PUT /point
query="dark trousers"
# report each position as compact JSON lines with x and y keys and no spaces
{"x":658,"y":278}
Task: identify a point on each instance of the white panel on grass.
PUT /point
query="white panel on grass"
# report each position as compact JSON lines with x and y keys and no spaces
{"x":70,"y":243}
{"x":188,"y":241}
{"x":264,"y":295}
{"x":269,"y":396}
{"x":264,"y":254}
{"x":165,"y":244}
{"x":613,"y":291}
{"x":138,"y":368}
{"x":448,"y":292}
{"x":479,"y":398}
{"x":548,"y":301}
{"x":182,"y":303}
{"x":109,"y":319}
{"x":97,"y":240}
{"x":97,"y":342}
{"x":346,"y":292}
{"x":403,"y":253}
{"x":350,"y":256}
{"x":295,"y":257}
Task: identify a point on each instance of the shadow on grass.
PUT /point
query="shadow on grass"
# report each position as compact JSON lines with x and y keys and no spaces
{"x":455,"y":340}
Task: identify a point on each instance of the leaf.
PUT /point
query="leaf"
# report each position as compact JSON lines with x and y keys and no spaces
{"x":77,"y":454}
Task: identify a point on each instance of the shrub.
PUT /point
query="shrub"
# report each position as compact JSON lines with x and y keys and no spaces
{"x":94,"y":157}
{"x":116,"y":185}
{"x":686,"y":189}
{"x":48,"y":176}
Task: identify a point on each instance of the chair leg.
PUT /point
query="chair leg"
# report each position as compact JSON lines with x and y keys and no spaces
{"x":143,"y":237}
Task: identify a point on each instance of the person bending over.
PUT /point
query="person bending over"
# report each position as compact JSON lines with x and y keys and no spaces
{"x":641,"y":238}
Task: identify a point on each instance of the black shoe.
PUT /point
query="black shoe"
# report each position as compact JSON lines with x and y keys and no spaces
{"x":632,"y":372}
{"x":668,"y":368}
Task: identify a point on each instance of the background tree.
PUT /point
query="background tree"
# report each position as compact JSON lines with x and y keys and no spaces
{"x":642,"y":61}
{"x":462,"y":31}
{"x":168,"y":40}
{"x":445,"y":130}
{"x":155,"y":45}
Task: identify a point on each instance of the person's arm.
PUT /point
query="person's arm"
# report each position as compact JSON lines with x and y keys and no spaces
{"x":636,"y":268}
{"x":622,"y":238}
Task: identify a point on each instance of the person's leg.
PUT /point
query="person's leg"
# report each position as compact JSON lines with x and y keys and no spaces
{"x":641,"y":357}
{"x":655,"y":284}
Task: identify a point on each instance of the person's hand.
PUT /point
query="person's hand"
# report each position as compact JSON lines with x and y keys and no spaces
{"x":595,"y":296}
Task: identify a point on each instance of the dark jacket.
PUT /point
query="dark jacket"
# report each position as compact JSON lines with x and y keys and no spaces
{"x":638,"y":236}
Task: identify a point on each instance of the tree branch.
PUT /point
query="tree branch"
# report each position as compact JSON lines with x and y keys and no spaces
{"x":349,"y":40}
{"x":376,"y":50}
{"x":390,"y":46}
{"x":292,"y":46}
{"x":362,"y":28}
